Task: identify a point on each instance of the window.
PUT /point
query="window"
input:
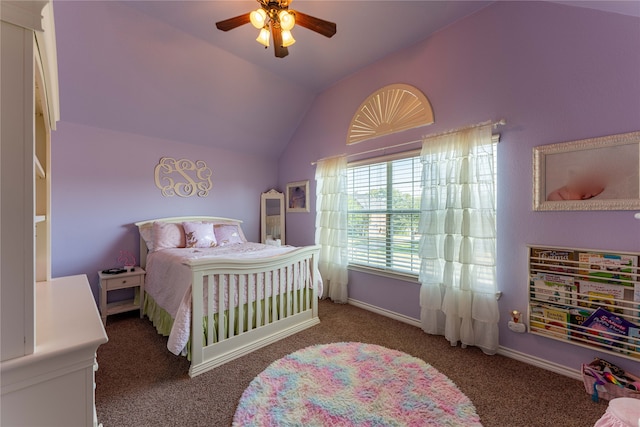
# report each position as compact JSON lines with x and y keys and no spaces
{"x":383,"y":213}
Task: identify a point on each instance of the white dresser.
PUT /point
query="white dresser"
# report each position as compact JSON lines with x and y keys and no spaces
{"x":50,"y":329}
{"x":54,"y":386}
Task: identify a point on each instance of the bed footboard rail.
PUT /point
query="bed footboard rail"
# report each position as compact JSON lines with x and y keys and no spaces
{"x":239,"y":306}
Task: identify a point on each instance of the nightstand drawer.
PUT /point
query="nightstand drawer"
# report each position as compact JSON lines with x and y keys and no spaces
{"x":123,"y":282}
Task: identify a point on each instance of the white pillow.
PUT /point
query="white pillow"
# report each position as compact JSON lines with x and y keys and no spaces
{"x":227,"y":234}
{"x":199,"y":235}
{"x":168,"y":235}
{"x":146,"y":231}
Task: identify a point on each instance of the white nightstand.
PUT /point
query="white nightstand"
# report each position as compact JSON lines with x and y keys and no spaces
{"x":111,"y":282}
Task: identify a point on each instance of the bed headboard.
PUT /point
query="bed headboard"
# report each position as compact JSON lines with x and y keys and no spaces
{"x":148,"y":224}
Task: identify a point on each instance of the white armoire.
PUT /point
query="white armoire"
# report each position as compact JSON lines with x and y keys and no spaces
{"x":50,"y":328}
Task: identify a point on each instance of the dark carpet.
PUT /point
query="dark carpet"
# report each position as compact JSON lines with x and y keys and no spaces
{"x":140,"y":383}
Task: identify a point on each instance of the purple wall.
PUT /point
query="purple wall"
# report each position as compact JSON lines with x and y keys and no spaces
{"x":122,"y":69}
{"x":123,"y":75}
{"x":555,"y":73}
{"x":103,"y":182}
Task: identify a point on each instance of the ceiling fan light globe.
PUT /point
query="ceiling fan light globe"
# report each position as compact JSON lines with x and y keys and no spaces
{"x":287,"y":20}
{"x":263,"y":37}
{"x":258,"y":17}
{"x":287,"y":38}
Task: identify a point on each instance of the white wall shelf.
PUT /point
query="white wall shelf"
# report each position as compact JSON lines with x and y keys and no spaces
{"x":568,"y":285}
{"x":40,"y":173}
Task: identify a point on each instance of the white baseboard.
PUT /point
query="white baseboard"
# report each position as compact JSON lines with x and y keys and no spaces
{"x":503,"y":351}
{"x":540,"y":363}
{"x":387,"y":313}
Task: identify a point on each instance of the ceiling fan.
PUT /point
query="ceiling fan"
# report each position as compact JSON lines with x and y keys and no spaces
{"x":274,"y":18}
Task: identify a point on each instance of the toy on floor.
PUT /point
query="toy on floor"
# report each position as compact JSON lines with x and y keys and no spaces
{"x":606,"y":372}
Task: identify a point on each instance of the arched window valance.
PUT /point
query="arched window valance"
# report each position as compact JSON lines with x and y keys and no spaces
{"x":392,"y":109}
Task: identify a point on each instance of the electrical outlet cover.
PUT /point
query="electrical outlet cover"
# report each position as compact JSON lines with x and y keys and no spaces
{"x":517,"y":327}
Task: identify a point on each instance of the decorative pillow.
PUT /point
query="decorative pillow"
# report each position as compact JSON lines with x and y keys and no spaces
{"x":199,"y":235}
{"x":147,"y":234}
{"x":168,"y":235}
{"x":227,"y":234}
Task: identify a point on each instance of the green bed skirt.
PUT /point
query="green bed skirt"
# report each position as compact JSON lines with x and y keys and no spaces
{"x":163,"y":322}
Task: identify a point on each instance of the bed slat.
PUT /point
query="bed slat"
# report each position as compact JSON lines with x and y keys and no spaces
{"x":221,"y":332}
{"x":278,"y":299}
{"x":259,"y":297}
{"x":252,"y":288}
{"x":231,"y":291}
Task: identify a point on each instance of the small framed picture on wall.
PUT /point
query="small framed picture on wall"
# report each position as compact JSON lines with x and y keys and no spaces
{"x":590,"y":174}
{"x":297,"y":195}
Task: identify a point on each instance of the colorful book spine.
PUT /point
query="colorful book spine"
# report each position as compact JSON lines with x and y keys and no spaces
{"x":608,"y":268}
{"x":607,"y":328}
{"x":562,"y":261}
{"x":550,"y":320}
{"x":554,"y":288}
{"x":577,"y":317}
{"x":598,"y":294}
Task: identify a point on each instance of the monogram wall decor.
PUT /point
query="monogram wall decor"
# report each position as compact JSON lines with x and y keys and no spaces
{"x":184,"y":178}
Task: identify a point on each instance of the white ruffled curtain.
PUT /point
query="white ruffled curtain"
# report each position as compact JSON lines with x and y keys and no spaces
{"x":457,"y":247}
{"x":331,"y":226}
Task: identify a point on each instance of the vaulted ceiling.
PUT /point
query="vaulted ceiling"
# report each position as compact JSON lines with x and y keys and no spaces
{"x":162,"y":69}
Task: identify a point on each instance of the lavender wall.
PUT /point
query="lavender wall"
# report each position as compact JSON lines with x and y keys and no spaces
{"x":123,"y":69}
{"x":103,"y":182}
{"x":123,"y":75}
{"x":556,"y":73}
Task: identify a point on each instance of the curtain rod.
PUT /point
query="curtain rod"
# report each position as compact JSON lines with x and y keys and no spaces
{"x":500,"y":122}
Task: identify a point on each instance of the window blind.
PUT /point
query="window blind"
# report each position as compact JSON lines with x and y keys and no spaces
{"x":383,"y":214}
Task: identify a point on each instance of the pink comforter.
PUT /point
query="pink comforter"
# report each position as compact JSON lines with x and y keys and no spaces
{"x":168,"y":281}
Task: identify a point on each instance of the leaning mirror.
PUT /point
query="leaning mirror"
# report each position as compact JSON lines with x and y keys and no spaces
{"x":272,"y":218}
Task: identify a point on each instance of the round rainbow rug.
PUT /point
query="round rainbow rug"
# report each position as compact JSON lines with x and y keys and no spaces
{"x":353,"y":384}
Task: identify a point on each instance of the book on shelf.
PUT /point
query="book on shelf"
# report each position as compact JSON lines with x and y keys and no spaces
{"x":586,"y":296}
{"x":608,"y":328}
{"x":558,"y":260}
{"x":554,"y":288}
{"x":608,"y":267}
{"x":599,"y":294}
{"x":577,"y":316}
{"x":634,"y":341}
{"x":550,"y":320}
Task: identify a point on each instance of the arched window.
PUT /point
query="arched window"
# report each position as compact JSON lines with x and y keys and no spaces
{"x":392,"y":109}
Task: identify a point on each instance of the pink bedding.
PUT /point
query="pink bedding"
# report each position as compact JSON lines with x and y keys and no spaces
{"x":168,"y":281}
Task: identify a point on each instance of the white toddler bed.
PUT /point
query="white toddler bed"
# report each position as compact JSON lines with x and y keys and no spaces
{"x":269,"y":292}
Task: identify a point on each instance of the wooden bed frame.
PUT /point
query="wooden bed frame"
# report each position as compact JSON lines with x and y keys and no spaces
{"x":277,"y":318}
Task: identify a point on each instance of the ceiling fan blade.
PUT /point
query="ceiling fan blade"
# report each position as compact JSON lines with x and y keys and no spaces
{"x":279,"y":50}
{"x":320,"y":26}
{"x":231,"y":23}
